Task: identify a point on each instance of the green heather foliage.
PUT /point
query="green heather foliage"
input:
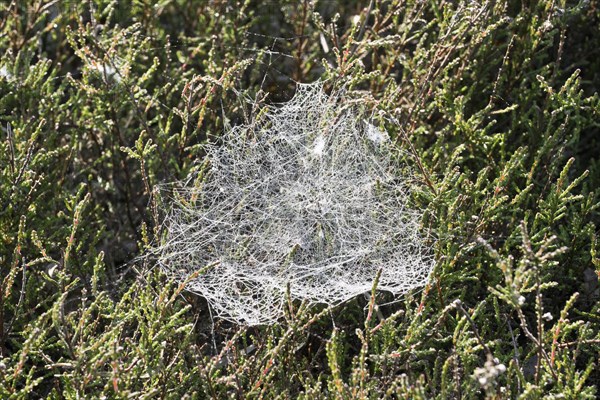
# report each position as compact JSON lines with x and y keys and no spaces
{"x":495,"y":104}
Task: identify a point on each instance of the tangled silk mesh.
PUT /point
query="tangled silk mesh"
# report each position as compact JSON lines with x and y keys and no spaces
{"x":310,"y":196}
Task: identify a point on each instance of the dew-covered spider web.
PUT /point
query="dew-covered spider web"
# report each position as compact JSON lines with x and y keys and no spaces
{"x":307,"y":195}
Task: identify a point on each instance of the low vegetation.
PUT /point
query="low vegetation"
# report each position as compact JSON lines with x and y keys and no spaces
{"x":493,"y":103}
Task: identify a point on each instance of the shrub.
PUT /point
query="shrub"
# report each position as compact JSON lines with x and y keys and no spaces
{"x":103,"y":102}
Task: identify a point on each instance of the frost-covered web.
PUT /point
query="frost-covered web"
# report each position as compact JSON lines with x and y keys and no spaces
{"x":307,"y":195}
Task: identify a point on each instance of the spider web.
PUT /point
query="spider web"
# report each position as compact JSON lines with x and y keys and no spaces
{"x":306,"y":197}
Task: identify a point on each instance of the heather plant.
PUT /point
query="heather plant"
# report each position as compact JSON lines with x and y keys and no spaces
{"x":491,"y":110}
